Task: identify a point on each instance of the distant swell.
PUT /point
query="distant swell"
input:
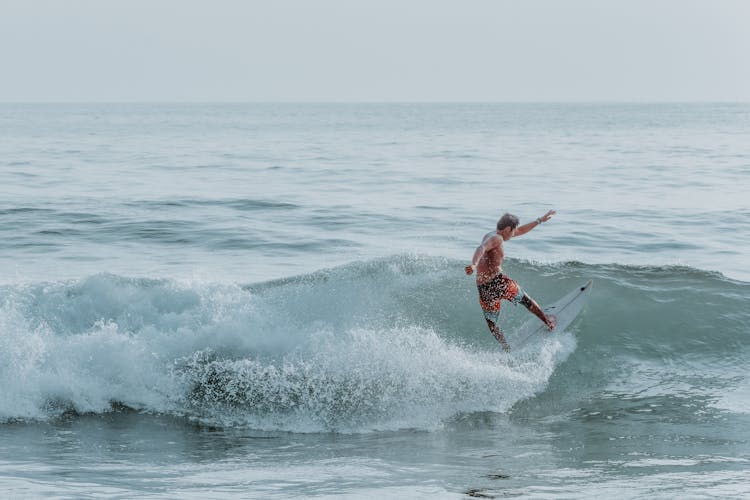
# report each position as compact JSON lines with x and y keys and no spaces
{"x":386,"y":344}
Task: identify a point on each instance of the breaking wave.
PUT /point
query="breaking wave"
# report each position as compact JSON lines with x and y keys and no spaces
{"x":387,"y":344}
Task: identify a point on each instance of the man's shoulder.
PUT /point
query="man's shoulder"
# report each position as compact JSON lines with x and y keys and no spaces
{"x":492,"y":239}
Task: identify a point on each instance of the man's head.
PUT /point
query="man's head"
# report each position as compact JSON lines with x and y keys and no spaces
{"x":507,"y":225}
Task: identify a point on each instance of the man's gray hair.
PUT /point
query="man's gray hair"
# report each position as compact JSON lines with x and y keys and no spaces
{"x":507,"y":220}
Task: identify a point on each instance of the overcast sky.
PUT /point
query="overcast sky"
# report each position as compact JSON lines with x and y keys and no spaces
{"x":374,"y":50}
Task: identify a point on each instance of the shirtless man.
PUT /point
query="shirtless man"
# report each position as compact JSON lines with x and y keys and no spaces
{"x":493,"y":285}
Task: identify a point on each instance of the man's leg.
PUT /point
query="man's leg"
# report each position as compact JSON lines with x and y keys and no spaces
{"x":533,"y":307}
{"x":498,"y":334}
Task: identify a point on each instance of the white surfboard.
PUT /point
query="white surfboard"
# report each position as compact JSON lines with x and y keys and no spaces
{"x":566,"y":309}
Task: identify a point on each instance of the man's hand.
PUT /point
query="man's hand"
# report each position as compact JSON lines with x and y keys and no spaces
{"x":469,"y":269}
{"x":546,"y":217}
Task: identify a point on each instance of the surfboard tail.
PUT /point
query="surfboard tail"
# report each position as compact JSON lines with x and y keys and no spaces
{"x":565,"y":310}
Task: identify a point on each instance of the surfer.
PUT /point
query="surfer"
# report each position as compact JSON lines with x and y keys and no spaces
{"x":493,"y":285}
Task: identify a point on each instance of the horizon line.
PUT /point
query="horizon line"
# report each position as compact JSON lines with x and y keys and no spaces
{"x":148,"y":101}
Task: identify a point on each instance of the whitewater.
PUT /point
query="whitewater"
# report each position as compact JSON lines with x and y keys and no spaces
{"x":268,"y":301}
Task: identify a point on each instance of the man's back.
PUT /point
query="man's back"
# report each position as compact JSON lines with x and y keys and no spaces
{"x":491,"y":262}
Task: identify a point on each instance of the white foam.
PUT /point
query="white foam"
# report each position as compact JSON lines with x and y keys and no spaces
{"x":736,"y":399}
{"x":223,"y":355}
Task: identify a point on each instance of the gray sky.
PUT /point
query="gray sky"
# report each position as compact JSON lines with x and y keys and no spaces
{"x":374,"y":50}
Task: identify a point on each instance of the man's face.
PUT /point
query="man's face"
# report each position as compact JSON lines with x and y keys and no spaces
{"x":507,"y":233}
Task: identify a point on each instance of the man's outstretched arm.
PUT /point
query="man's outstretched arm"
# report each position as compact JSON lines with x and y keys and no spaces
{"x":521,"y":230}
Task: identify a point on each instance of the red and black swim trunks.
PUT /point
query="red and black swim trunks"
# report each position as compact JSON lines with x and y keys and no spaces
{"x":492,"y":292}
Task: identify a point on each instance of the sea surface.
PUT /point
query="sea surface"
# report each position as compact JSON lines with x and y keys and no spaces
{"x":268,"y":301}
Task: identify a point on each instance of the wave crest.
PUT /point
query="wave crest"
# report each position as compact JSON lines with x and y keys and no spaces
{"x":386,"y":344}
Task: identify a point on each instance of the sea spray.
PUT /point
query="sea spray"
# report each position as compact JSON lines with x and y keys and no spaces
{"x":360,"y":380}
{"x":292,"y":355}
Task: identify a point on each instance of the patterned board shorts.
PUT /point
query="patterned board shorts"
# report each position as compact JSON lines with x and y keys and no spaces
{"x":492,"y":292}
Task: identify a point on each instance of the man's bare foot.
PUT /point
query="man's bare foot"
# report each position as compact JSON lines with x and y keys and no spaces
{"x":551,"y":321}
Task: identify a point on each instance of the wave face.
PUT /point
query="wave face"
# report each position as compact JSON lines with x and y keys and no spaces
{"x":387,"y":344}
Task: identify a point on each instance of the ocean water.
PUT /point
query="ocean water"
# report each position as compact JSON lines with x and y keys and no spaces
{"x":268,"y":301}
